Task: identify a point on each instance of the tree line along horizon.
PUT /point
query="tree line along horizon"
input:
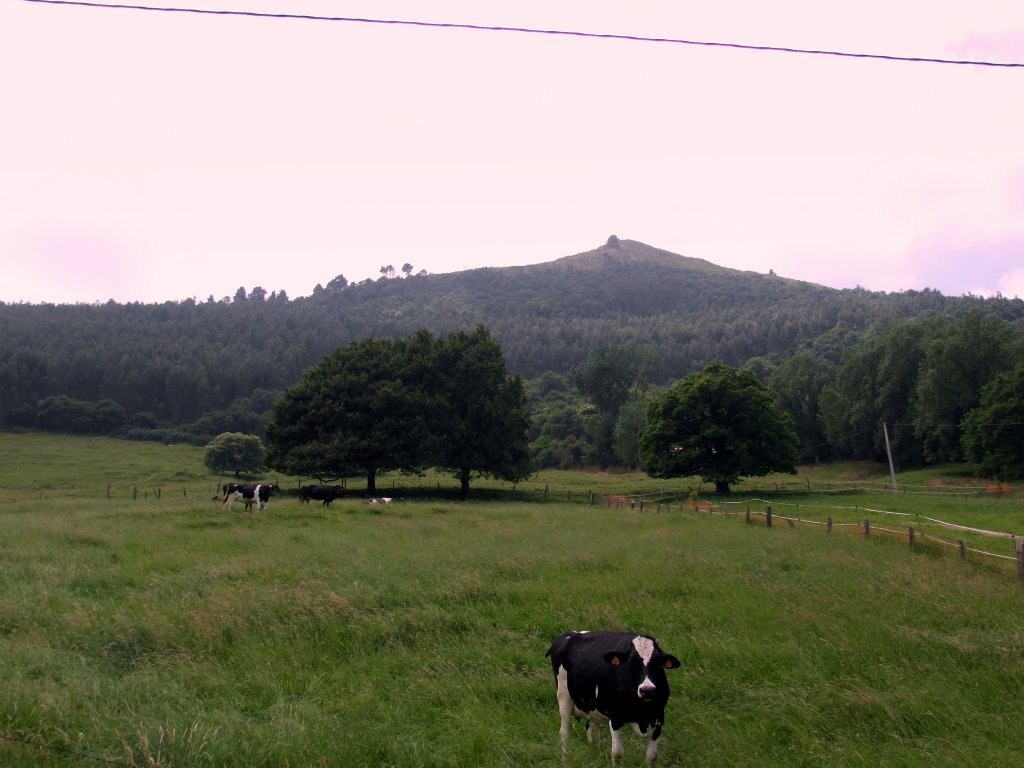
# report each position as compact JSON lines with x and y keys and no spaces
{"x":943,"y":373}
{"x":950,"y":389}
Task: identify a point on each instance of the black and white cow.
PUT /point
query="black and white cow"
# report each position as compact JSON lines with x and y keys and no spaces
{"x":615,"y":678}
{"x":250,"y":494}
{"x":324,"y":493}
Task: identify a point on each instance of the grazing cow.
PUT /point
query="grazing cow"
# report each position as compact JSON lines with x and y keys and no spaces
{"x":615,"y":678}
{"x":249,"y":493}
{"x":324,"y":493}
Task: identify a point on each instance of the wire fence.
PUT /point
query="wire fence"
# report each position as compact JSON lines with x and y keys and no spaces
{"x":918,"y":529}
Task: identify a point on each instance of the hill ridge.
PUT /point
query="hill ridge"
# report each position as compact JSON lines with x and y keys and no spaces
{"x":175,"y":362}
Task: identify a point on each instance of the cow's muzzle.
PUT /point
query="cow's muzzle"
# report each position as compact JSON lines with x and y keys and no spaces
{"x":646,"y":690}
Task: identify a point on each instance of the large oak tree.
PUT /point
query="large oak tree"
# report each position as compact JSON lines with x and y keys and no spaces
{"x":365,"y":408}
{"x":483,"y":415}
{"x":720,"y":424}
{"x":405,"y":404}
{"x":234,"y":452}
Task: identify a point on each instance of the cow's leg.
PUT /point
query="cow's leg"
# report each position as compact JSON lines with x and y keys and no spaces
{"x":594,"y":732}
{"x":564,"y":710}
{"x":618,"y":750}
{"x":652,"y":751}
{"x":651,"y":736}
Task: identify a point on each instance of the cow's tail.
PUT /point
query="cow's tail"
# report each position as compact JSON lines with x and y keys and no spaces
{"x":559,"y":650}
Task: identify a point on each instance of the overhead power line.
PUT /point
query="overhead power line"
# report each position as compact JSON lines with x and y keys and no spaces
{"x":534,"y":31}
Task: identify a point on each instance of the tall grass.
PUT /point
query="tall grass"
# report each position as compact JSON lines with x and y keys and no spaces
{"x":177,"y":634}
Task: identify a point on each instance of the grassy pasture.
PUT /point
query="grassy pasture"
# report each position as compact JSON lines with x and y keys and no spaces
{"x":37,"y":465}
{"x":171,"y":633}
{"x":40,"y":466}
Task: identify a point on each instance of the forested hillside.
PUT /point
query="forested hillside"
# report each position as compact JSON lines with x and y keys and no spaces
{"x":219,"y":365}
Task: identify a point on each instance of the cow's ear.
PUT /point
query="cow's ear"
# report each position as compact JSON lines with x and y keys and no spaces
{"x":668,"y":661}
{"x":615,"y":658}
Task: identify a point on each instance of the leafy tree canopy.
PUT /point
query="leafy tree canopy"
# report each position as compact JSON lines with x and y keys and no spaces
{"x":798,"y":383}
{"x":960,"y":357}
{"x":483,"y":415}
{"x":994,"y":431}
{"x":611,"y":373}
{"x":66,"y":414}
{"x":405,"y":404}
{"x":366,"y":407}
{"x":234,"y":452}
{"x":720,"y":424}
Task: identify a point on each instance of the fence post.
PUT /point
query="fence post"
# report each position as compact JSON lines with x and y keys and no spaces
{"x":748,"y":513}
{"x":828,"y":527}
{"x":963,"y":548}
{"x":768,"y":515}
{"x":867,"y":527}
{"x":1020,"y":559}
{"x":910,"y":536}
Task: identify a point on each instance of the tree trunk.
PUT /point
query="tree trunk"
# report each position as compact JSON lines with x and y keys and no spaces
{"x":464,"y":481}
{"x":721,"y":486}
{"x":371,"y":482}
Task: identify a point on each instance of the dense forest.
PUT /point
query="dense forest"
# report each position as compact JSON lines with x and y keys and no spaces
{"x":189,"y":370}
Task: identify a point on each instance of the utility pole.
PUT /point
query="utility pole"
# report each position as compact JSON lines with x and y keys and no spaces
{"x":888,"y":450}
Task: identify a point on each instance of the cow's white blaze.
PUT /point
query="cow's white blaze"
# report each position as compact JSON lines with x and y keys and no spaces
{"x":645,"y":648}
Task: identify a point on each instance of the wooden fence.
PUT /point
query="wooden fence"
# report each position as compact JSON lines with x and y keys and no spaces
{"x":915,"y":532}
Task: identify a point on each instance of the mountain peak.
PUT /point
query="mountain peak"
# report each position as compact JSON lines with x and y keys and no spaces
{"x":632,"y":253}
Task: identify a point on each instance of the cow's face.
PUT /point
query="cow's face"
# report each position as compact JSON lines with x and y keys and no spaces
{"x":645,"y":663}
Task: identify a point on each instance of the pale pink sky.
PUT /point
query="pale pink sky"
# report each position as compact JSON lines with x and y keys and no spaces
{"x":154,"y":156}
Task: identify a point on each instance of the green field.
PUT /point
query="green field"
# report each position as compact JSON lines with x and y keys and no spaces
{"x":167,"y":632}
